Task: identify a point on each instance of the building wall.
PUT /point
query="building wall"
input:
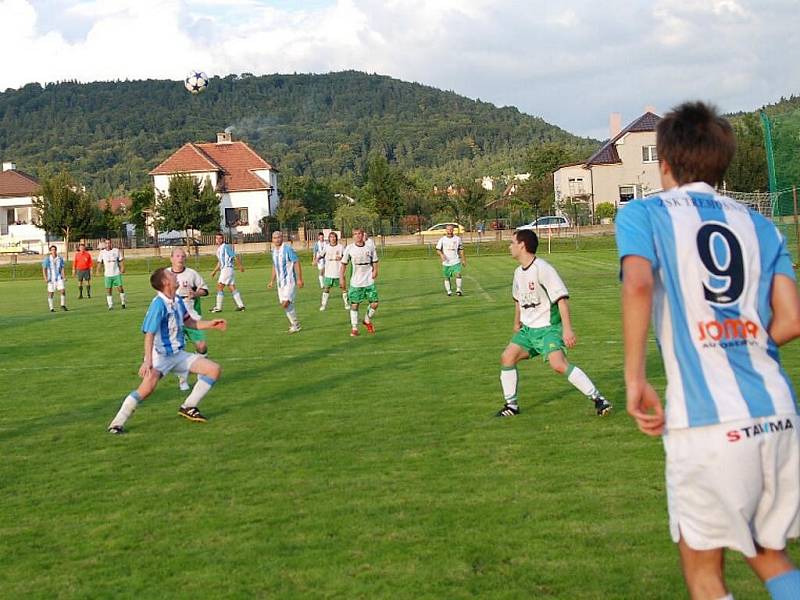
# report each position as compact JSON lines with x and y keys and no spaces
{"x":571,"y":181}
{"x":161,"y":182}
{"x":257,"y":204}
{"x":642,"y":176}
{"x":22,"y":207}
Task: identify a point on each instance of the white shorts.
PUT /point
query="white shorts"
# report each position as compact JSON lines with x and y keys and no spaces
{"x":226,"y":276}
{"x":735,"y":484}
{"x":52,"y":286}
{"x":286,"y":293}
{"x":180,"y":362}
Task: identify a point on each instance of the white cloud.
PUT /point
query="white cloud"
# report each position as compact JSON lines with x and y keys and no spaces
{"x":571,"y":64}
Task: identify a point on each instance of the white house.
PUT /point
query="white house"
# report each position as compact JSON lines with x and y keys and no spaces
{"x":625,"y":167}
{"x":247,"y":184}
{"x":17,"y":213}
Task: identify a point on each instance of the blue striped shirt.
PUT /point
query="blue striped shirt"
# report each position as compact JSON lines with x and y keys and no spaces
{"x":283,"y":259}
{"x":54,"y":268}
{"x":164,"y":319}
{"x":225,"y":256}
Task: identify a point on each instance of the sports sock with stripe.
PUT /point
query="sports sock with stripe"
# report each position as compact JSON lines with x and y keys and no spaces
{"x":220,"y":297}
{"x":508,"y":381}
{"x":126,"y":410}
{"x":237,"y":297}
{"x":354,"y":318}
{"x":580,"y":380}
{"x":200,"y":389}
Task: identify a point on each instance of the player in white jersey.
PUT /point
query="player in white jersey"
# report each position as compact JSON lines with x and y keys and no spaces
{"x":226,"y":258}
{"x":286,"y":270}
{"x":113,"y":268}
{"x":318,"y":257}
{"x":191,"y":287}
{"x":362,"y":279}
{"x":451,"y":251}
{"x":53,"y":273}
{"x":333,"y":261}
{"x":718,"y":282}
{"x":542,"y":325}
{"x":163,"y":351}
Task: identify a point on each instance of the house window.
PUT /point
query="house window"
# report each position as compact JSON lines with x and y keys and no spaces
{"x":626,"y":193}
{"x":649,"y":154}
{"x":236,"y":217}
{"x":576,"y":186}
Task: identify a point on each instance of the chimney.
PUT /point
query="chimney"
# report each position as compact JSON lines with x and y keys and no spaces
{"x":9,"y":166}
{"x":614,"y":125}
{"x":224,"y":137}
{"x":650,"y":109}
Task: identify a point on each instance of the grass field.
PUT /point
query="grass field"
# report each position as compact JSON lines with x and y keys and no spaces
{"x":332,"y":467}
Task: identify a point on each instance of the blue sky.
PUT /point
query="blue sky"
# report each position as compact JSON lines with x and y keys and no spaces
{"x":571,"y":62}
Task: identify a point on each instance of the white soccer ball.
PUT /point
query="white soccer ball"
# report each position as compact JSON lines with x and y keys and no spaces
{"x":196,"y":82}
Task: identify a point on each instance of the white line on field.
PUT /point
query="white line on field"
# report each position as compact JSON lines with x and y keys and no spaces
{"x":478,"y":285}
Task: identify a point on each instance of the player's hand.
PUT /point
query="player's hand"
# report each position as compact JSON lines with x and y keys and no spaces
{"x":644,"y":406}
{"x":220,"y":324}
{"x":569,"y":337}
{"x":299,"y":283}
{"x":517,"y":327}
{"x":270,"y":284}
{"x":241,"y":269}
{"x":145,"y":369}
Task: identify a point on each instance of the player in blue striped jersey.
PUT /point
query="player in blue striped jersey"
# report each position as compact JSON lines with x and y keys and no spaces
{"x":318,"y":257}
{"x":53,"y":273}
{"x":163,"y":330}
{"x":286,"y":270}
{"x":226,"y":259}
{"x":718,"y":282}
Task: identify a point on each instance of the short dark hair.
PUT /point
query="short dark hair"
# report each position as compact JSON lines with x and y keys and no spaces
{"x":157,"y":279}
{"x":334,"y":234}
{"x":529,"y":238}
{"x":696,"y":143}
{"x":321,"y":233}
{"x":51,"y":247}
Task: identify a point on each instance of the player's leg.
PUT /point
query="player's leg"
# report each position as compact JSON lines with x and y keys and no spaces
{"x":354,"y":318}
{"x":459,"y":289}
{"x":89,"y":285}
{"x":63,"y":291}
{"x":446,"y":275}
{"x":208,"y":373}
{"x":50,"y":291}
{"x":132,"y":400}
{"x":220,"y":296}
{"x":321,"y":273}
{"x":237,"y":297}
{"x":373,"y":306}
{"x":198,"y":339}
{"x":80,"y":285}
{"x":777,"y":571}
{"x":509,"y":378}
{"x":109,"y":283}
{"x":286,"y":299}
{"x":326,"y":292}
{"x":577,"y":377}
{"x":121,"y":295}
{"x":703,"y":572}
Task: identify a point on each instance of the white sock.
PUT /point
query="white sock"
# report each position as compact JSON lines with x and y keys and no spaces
{"x":122,"y":298}
{"x":183,"y":379}
{"x":325,"y":296}
{"x":508,"y":381}
{"x":458,"y":284}
{"x":110,"y":301}
{"x":126,"y":410}
{"x":581,"y":381}
{"x":728,"y":597}
{"x":370,"y":314}
{"x":354,"y":318}
{"x":50,"y":302}
{"x":63,"y":299}
{"x":291,"y":314}
{"x":237,"y":297}
{"x":447,"y":286}
{"x":346,"y":300}
{"x":220,"y":296}
{"x":200,"y":389}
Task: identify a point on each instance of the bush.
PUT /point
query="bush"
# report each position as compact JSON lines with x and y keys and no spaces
{"x":604,"y":210}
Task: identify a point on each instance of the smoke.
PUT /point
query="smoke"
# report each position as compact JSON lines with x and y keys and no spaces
{"x":229,"y":128}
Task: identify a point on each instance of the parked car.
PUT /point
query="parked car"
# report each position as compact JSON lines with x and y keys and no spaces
{"x":178,"y":241}
{"x":439,"y":229}
{"x":549,"y":222}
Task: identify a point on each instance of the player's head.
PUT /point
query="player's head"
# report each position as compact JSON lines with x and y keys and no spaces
{"x":178,"y":258}
{"x":81,"y":247}
{"x":524,"y":240}
{"x":109,"y":244}
{"x":449,"y":230}
{"x":333,"y":238}
{"x":219,"y":238}
{"x":164,"y":281}
{"x":358,"y":235}
{"x":53,"y":250}
{"x":694,"y":143}
{"x":277,"y":237}
{"x":321,"y":236}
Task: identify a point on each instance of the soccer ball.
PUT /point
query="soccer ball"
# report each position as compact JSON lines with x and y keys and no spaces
{"x":196,"y":82}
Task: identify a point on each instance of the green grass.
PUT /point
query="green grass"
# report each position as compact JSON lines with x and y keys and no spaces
{"x":332,"y":467}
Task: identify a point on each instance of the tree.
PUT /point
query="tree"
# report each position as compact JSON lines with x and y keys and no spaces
{"x":143,"y":203}
{"x":290,"y":211}
{"x":64,"y":208}
{"x":187,"y":206}
{"x":383,"y":186}
{"x":471,"y":202}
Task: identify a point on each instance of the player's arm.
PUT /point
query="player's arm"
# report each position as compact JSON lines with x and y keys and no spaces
{"x":220,"y":324}
{"x":462,"y":256}
{"x":44,"y":273}
{"x":643,"y":403}
{"x":239,"y":262}
{"x":121,"y":264}
{"x":785,"y":324}
{"x":375,"y":270}
{"x":201,"y":291}
{"x":298,"y":273}
{"x":147,"y":362}
{"x":272,"y":277}
{"x":517,"y":317}
{"x":63,"y":276}
{"x":568,"y":334}
{"x":97,"y":266}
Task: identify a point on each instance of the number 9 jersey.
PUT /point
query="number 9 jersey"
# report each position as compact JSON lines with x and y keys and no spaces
{"x":713,"y":262}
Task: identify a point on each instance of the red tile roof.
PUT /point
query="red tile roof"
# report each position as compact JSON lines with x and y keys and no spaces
{"x":15,"y":183}
{"x":607,"y":154}
{"x":236,"y":162}
{"x":116,"y":203}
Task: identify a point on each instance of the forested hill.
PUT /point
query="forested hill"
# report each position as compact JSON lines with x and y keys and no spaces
{"x":110,"y":134}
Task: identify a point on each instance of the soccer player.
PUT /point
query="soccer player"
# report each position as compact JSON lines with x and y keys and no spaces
{"x":163,"y":351}
{"x":362,"y":279}
{"x":333,"y":260}
{"x":53,"y":273}
{"x":82,"y":268}
{"x":451,"y":252}
{"x":113,"y":268}
{"x":286,"y":269}
{"x":318,"y":258}
{"x":718,"y":281}
{"x":225,"y":261}
{"x":542,"y":325}
{"x":191,"y":288}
